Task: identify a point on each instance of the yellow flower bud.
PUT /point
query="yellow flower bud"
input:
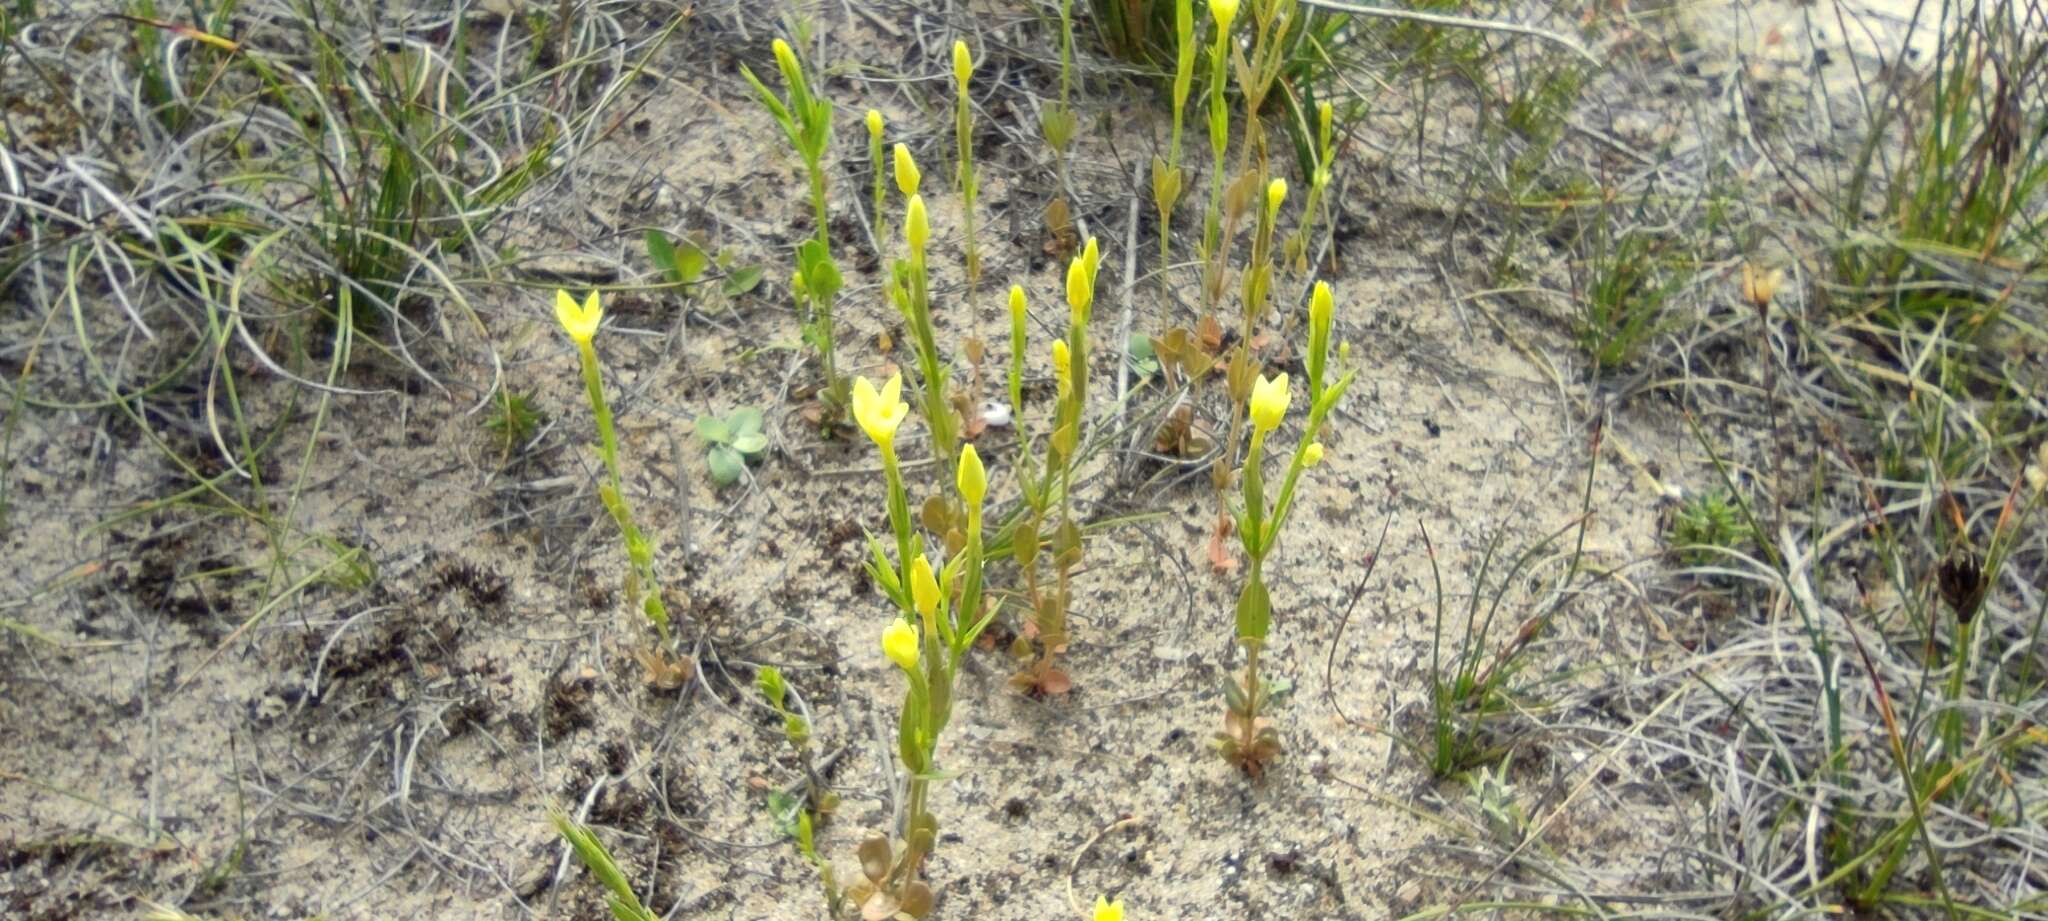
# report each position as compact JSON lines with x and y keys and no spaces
{"x":924,"y":590}
{"x":1062,"y":364}
{"x":1276,"y":192}
{"x":1269,"y":402}
{"x":875,"y":124}
{"x":916,"y":228}
{"x":1106,"y":910}
{"x":1320,"y":307}
{"x":785,"y":57}
{"x":899,"y":643}
{"x":1312,"y":455}
{"x":1223,"y":11}
{"x":972,"y":478}
{"x":580,"y":321}
{"x":906,"y":171}
{"x":963,"y":65}
{"x":1080,"y":289}
{"x":1344,"y":350}
{"x":879,"y":413}
{"x":1017,"y":304}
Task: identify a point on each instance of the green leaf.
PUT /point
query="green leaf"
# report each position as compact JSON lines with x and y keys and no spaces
{"x":726,"y":465}
{"x":745,"y":420}
{"x":741,"y":281}
{"x":750,"y":443}
{"x":662,"y":253}
{"x":713,"y":429}
{"x":680,"y":266}
{"x":769,"y":681}
{"x":1254,"y":611}
{"x":784,"y":808}
{"x":820,"y":274}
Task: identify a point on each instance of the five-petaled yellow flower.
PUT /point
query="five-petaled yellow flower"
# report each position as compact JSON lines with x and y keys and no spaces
{"x":899,"y":643}
{"x":1312,"y":455}
{"x":907,"y":175}
{"x":879,"y":413}
{"x":1106,"y":910}
{"x":917,"y":229}
{"x":579,"y":320}
{"x":972,"y":478}
{"x":1269,"y":402}
{"x":924,"y":589}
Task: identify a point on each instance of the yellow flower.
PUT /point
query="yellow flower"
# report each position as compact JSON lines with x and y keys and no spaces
{"x":917,"y":229}
{"x":899,"y":643}
{"x":1312,"y":455}
{"x":963,"y":64}
{"x":1062,"y":364}
{"x":1106,"y":910}
{"x":875,"y":124}
{"x":1223,"y":11}
{"x":924,"y":589}
{"x":1269,"y":402}
{"x":972,"y":478}
{"x":1276,"y":192}
{"x":879,"y":413}
{"x":580,"y":321}
{"x":906,"y":171}
{"x":1017,"y":304}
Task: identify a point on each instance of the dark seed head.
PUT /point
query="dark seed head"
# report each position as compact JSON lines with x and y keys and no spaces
{"x":1960,"y":578}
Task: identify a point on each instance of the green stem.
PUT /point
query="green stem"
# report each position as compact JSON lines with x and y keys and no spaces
{"x":638,"y":552}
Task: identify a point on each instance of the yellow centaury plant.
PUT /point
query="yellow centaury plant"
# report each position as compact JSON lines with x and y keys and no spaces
{"x":1247,"y":740}
{"x":938,"y":617}
{"x":581,"y":322}
{"x":1051,"y":487}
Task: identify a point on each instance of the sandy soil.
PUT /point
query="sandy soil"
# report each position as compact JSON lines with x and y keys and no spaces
{"x":390,"y":749}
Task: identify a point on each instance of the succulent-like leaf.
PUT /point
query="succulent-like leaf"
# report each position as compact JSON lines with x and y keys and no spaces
{"x":726,"y":465}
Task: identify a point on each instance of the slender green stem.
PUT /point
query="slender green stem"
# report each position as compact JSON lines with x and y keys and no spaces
{"x":638,"y":551}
